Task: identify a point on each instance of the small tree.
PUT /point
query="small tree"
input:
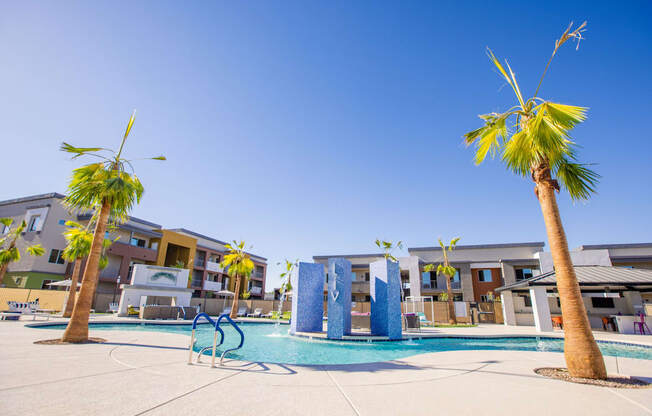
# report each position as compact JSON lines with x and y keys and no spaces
{"x":80,"y":239}
{"x":449,"y":271}
{"x":9,"y":252}
{"x":240,"y":267}
{"x":388,"y":247}
{"x":286,"y":285}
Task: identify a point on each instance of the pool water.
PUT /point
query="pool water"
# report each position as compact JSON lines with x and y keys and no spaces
{"x":272,"y":344}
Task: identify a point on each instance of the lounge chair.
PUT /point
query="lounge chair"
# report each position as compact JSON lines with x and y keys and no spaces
{"x":256,"y":314}
{"x":286,"y":316}
{"x":227,"y":311}
{"x":271,"y":315}
{"x":242,"y":311}
{"x":113,"y":307}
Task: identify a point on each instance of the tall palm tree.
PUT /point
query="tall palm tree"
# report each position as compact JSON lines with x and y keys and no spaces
{"x":80,"y":239}
{"x":109,"y":186}
{"x":449,"y":271}
{"x":538,"y":146}
{"x":10,"y":253}
{"x":240,"y":267}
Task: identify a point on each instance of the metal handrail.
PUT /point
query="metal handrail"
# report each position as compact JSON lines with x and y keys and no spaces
{"x":219,"y":330}
{"x":237,"y":328}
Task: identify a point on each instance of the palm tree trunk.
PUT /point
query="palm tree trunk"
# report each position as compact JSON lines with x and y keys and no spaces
{"x":72,"y":291}
{"x":452,"y":320}
{"x":3,"y":271}
{"x":77,"y":329}
{"x":583,"y":357}
{"x":236,"y":296}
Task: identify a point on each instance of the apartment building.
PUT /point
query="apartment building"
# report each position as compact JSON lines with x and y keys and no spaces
{"x":483,"y":268}
{"x":136,"y":241}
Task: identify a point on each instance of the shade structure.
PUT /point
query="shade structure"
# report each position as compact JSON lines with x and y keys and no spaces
{"x":225,"y":293}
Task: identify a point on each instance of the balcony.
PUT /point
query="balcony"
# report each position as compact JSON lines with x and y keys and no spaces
{"x":456,"y":285}
{"x":200,"y":262}
{"x":214,"y":286}
{"x":256,"y":290}
{"x":257,"y":275}
{"x":211,"y":266}
{"x":195,"y":283}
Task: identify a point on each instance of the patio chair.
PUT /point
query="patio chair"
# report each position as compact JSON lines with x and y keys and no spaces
{"x":640,"y":326}
{"x":242,"y":311}
{"x":557,"y":321}
{"x":412,"y":322}
{"x":256,"y":314}
{"x":271,"y":315}
{"x":113,"y":307}
{"x":286,"y":315}
{"x":423,"y":320}
{"x":227,"y":311}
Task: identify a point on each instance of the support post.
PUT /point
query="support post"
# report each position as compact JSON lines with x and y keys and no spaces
{"x":540,"y":309}
{"x":507,"y":301}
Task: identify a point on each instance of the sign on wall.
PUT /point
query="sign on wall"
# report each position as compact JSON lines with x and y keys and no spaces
{"x":149,"y":275}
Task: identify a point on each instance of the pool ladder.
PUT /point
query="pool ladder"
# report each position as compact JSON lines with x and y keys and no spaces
{"x":216,"y":324}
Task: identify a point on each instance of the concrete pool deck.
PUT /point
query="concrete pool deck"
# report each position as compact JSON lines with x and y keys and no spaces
{"x":146,"y":373}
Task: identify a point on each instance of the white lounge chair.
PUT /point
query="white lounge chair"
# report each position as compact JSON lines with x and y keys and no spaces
{"x":23,"y":307}
{"x":113,"y":307}
{"x":242,"y":311}
{"x":256,"y":314}
{"x":227,"y":311}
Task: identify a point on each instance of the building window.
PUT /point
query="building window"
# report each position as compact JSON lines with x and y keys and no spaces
{"x":603,"y":303}
{"x":18,"y":280}
{"x":45,"y":284}
{"x":138,"y":242}
{"x":34,"y":222}
{"x":484,"y":275}
{"x":56,"y":257}
{"x":528,"y":301}
{"x":522,"y":274}
{"x":62,"y":222}
{"x":485,"y":298}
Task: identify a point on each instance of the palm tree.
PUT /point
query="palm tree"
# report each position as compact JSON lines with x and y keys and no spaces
{"x":80,"y":239}
{"x":11,"y":253}
{"x":240,"y":267}
{"x":109,"y":186}
{"x":449,"y":271}
{"x":538,"y":146}
{"x":388,"y":247}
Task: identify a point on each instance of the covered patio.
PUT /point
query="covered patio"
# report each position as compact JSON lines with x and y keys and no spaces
{"x":613,"y":297}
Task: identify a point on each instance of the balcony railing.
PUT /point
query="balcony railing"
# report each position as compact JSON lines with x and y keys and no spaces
{"x":211,"y":266}
{"x":456,"y":285}
{"x":200,"y":262}
{"x":256,"y":290}
{"x":258,"y":275}
{"x":195,"y":283}
{"x":214,"y":286}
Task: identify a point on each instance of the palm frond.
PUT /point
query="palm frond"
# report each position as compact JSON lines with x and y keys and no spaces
{"x":6,"y":222}
{"x":578,"y":179}
{"x":35,"y":250}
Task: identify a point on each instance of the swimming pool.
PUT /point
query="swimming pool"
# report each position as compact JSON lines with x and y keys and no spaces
{"x":272,"y":344}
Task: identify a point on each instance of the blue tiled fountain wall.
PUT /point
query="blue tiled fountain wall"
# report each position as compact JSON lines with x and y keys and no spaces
{"x":307,"y":298}
{"x":385,"y":299}
{"x":339,"y":298}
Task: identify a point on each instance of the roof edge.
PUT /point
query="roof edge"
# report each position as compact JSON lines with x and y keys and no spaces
{"x":479,"y":246}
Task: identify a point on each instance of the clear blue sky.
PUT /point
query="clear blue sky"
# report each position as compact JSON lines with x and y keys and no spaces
{"x":315,"y":127}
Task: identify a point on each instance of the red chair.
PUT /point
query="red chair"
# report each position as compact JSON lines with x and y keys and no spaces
{"x":557,"y":321}
{"x":641,"y":326}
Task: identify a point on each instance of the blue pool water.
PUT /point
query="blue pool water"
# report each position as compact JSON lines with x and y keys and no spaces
{"x":272,"y":344}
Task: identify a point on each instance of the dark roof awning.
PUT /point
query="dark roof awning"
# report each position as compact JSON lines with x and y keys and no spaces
{"x":591,"y":276}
